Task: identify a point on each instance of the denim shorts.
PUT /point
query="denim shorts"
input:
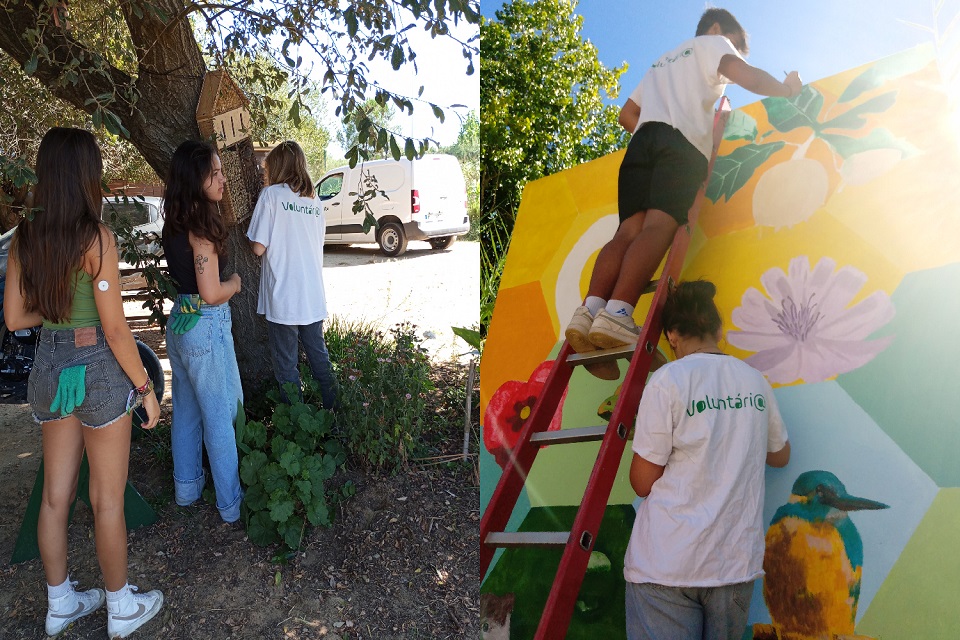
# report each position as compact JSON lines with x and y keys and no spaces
{"x":107,"y":386}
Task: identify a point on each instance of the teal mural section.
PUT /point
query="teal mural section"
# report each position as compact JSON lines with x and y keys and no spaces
{"x":910,"y":389}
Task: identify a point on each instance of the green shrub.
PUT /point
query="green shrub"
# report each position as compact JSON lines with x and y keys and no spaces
{"x":285,"y":462}
{"x":384,"y":387}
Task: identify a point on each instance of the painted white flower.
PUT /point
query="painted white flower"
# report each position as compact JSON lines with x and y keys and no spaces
{"x":803,"y":329}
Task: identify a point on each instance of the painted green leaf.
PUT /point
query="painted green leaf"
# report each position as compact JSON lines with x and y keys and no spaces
{"x":853,"y":119}
{"x":876,"y":139}
{"x":730,"y":172}
{"x":789,"y":114}
{"x":740,"y":126}
{"x":895,"y":66}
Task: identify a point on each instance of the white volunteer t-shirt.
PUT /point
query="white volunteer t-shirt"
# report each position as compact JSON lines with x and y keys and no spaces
{"x":291,"y":281}
{"x":682,"y":87}
{"x":710,"y":419}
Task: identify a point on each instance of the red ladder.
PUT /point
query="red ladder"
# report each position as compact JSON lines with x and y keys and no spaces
{"x":578,"y":543}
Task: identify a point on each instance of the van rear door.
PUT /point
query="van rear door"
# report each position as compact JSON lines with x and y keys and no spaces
{"x":442,"y":192}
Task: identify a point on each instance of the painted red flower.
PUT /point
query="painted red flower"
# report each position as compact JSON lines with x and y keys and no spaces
{"x":508,"y":410}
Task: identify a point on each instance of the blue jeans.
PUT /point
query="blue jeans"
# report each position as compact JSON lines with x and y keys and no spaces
{"x":657,"y":612}
{"x":206,"y":390}
{"x":284,"y":351}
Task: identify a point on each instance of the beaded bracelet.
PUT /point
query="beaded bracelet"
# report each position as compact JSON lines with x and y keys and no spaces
{"x":137,"y":394}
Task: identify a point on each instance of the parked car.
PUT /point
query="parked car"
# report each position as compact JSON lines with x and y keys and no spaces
{"x":423,"y":199}
{"x":18,"y":349}
{"x":143,"y":213}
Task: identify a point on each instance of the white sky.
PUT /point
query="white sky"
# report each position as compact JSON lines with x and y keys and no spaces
{"x":442,"y":72}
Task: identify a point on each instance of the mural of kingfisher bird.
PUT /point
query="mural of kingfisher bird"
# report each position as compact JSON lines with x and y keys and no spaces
{"x":814,"y":559}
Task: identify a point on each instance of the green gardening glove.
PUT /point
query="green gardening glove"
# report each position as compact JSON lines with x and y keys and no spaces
{"x":183,"y":322}
{"x":71,"y":390}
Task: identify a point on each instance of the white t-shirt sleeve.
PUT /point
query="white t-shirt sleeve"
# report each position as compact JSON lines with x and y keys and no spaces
{"x":712,"y":50}
{"x":776,"y":429}
{"x":261,"y":224}
{"x":636,"y":95}
{"x":653,"y":436}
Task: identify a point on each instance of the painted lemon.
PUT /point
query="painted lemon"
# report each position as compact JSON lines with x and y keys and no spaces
{"x":789,"y":193}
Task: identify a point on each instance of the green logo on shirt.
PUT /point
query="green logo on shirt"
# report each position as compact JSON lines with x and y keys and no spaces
{"x":686,"y":53}
{"x":310,"y":211}
{"x":756,"y":401}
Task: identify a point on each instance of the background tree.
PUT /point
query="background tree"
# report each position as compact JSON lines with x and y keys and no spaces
{"x":467,"y":151}
{"x":369,"y":115}
{"x":137,"y":67}
{"x":542,"y":88}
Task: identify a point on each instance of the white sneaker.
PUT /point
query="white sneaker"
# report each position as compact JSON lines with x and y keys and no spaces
{"x":610,"y":331}
{"x":131,"y":611}
{"x":63,"y":611}
{"x":576,"y":334}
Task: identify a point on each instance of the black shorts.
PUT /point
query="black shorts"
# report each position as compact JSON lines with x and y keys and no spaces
{"x":661,"y":170}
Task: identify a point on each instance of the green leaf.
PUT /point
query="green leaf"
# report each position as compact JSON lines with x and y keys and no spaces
{"x":471,"y":336}
{"x":787,"y":114}
{"x":396,"y":58}
{"x":292,"y":532}
{"x":30,"y":66}
{"x":740,"y":126}
{"x":888,"y":68}
{"x":853,"y":119}
{"x":250,"y":466}
{"x":438,"y":113}
{"x":290,"y":460}
{"x":878,"y":138}
{"x":274,"y":478}
{"x":318,"y":513}
{"x":394,"y":148}
{"x":255,"y":498}
{"x":409,"y":151}
{"x":732,"y":171}
{"x":281,"y":506}
{"x":350,"y":17}
{"x":262,"y":531}
{"x":304,"y":490}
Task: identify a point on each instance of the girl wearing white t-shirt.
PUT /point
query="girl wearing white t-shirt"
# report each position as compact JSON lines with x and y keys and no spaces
{"x":287,"y":229}
{"x":706,"y":425}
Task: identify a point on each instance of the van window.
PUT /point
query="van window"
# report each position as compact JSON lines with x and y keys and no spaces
{"x":132,"y":213}
{"x":330,"y":186}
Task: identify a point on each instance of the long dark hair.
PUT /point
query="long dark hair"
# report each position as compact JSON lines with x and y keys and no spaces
{"x":185,"y":208}
{"x":50,"y":245}
{"x":690,"y":310}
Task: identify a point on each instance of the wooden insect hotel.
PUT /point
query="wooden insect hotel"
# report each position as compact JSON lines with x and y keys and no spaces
{"x":223,"y":115}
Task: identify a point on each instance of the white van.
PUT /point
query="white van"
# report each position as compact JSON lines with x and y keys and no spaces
{"x":143,"y":213}
{"x":425,"y":199}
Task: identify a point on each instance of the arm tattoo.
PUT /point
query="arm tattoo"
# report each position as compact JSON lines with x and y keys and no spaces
{"x":200,"y":261}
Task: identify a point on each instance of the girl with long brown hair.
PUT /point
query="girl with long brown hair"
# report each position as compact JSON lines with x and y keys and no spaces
{"x":206,"y":380}
{"x":87,"y":376}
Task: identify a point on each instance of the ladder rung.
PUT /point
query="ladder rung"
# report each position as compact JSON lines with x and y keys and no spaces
{"x":528,"y":539}
{"x":568,"y":436}
{"x":601,"y":355}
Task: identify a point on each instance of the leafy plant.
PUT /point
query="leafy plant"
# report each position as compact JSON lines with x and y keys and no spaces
{"x":285,"y":463}
{"x":495,"y":240}
{"x":384,"y":387}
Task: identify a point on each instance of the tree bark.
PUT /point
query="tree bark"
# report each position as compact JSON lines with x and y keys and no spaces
{"x":158,"y":108}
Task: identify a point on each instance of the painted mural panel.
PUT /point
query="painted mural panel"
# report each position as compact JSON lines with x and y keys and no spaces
{"x":832,"y":231}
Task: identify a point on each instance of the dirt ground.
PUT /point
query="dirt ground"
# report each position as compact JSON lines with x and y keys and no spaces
{"x":400,"y":560}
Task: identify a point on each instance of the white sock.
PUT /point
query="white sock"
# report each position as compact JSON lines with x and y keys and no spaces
{"x":620,"y":308}
{"x":54,"y":592}
{"x":594,"y":304}
{"x":116,"y":596}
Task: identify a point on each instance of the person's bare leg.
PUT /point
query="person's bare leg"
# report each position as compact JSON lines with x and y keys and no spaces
{"x":644,"y":255}
{"x":108,"y":450}
{"x":62,"y":452}
{"x":607,"y":268}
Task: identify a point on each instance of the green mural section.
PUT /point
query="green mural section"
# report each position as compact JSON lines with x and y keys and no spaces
{"x":910,"y":388}
{"x":923,"y":579}
{"x":528,"y":575}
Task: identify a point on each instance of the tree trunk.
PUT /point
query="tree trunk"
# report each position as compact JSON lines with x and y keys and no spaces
{"x":158,"y":108}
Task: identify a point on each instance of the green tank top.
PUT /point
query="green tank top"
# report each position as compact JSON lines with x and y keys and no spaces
{"x":83,"y":313}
